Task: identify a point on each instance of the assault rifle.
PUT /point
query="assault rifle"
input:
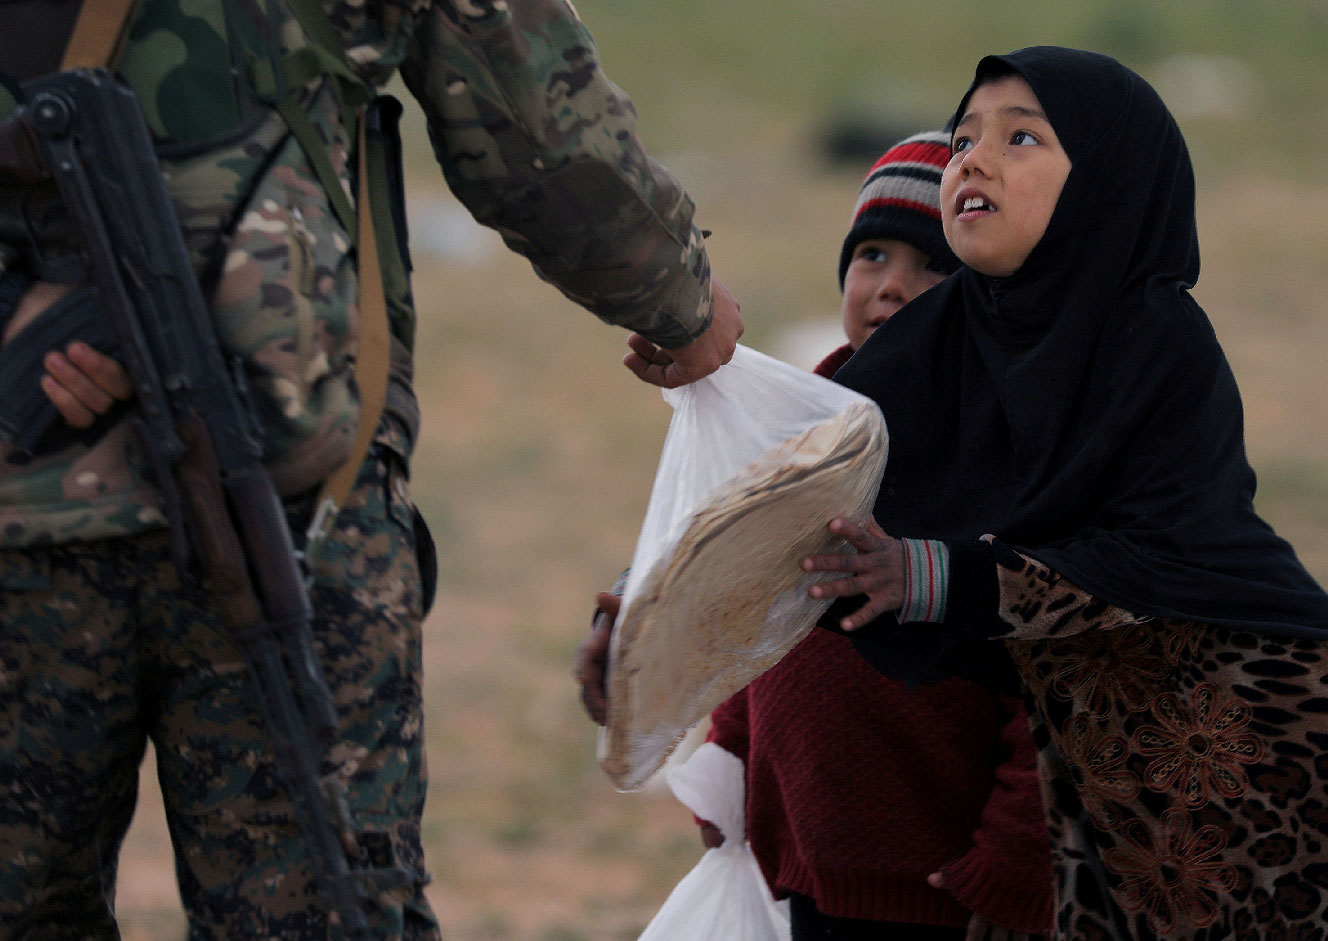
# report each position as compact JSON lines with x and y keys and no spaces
{"x":227,"y":524}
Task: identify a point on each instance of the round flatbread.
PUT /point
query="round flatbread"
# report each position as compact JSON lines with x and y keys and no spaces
{"x":731,"y":599}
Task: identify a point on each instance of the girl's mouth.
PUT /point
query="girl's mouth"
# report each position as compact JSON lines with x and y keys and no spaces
{"x":972,"y":204}
{"x":974,"y":207}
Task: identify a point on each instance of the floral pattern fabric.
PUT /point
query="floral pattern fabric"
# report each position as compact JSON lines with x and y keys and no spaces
{"x":1184,"y":768}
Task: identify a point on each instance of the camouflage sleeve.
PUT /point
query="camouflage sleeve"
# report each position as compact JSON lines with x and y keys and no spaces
{"x":538,"y":144}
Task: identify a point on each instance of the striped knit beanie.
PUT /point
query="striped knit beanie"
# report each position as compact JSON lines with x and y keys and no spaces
{"x":901,"y":199}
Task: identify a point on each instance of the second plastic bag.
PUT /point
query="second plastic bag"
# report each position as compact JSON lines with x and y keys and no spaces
{"x":759,"y":457}
{"x":724,"y":897}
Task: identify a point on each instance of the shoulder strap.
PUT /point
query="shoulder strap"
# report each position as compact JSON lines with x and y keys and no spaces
{"x":323,"y":56}
{"x":99,"y":34}
{"x":373,"y":349}
{"x":372,"y":357}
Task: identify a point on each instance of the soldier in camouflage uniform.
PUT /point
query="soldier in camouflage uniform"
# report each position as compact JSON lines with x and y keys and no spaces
{"x":102,"y":644}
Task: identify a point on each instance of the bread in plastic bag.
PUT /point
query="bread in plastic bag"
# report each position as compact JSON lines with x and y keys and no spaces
{"x":759,"y":457}
{"x":724,"y":897}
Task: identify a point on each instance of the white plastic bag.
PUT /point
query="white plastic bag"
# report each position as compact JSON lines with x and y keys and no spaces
{"x":759,"y":456}
{"x":724,"y":897}
{"x":721,"y":424}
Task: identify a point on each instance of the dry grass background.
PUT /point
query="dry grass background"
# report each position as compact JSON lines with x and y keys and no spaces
{"x":538,"y":451}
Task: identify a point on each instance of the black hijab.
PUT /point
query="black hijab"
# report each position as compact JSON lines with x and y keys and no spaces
{"x":1081,"y":409}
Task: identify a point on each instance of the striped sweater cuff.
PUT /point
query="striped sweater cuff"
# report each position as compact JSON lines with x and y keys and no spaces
{"x":926,"y":580}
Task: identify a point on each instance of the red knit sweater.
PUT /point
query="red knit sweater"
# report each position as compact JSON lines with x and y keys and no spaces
{"x":858,"y":788}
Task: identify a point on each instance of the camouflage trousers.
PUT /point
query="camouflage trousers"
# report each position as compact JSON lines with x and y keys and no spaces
{"x":102,"y":648}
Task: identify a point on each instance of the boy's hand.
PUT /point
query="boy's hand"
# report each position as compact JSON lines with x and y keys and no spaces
{"x":592,"y":658}
{"x":877,"y":567}
{"x":979,"y":929}
{"x":712,"y":349}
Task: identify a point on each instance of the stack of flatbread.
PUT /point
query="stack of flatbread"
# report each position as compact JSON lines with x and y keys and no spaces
{"x":731,"y":599}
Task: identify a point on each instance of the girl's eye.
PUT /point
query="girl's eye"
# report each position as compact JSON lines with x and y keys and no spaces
{"x":936,"y":267}
{"x":1023,"y":139}
{"x":960,"y":145}
{"x":872,"y":254}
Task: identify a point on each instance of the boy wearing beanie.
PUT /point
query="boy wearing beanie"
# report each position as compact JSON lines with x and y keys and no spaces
{"x":895,"y":248}
{"x":878,"y":810}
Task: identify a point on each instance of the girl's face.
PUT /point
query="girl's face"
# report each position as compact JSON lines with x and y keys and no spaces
{"x":1004,"y":178}
{"x":882,"y":276}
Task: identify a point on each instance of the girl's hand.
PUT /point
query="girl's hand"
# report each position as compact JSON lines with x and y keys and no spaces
{"x":877,"y":567}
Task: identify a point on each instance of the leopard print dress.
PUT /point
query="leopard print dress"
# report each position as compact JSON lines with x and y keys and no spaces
{"x":1183,"y":768}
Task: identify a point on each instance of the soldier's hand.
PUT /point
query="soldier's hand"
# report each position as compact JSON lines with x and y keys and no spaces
{"x":81,"y":382}
{"x":592,"y":659}
{"x":39,"y":296}
{"x":84,"y":384}
{"x":712,"y":349}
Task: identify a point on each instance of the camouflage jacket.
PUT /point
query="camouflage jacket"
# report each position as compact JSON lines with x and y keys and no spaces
{"x":531,"y":135}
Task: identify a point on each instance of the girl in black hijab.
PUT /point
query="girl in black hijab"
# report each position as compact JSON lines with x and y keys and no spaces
{"x":1068,"y":499}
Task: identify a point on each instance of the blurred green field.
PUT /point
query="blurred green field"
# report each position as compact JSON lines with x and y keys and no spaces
{"x":539,"y":448}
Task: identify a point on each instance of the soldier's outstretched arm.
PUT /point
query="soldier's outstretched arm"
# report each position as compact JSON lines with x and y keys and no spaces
{"x":540,"y":145}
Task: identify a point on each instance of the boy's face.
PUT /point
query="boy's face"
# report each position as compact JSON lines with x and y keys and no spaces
{"x":1002,"y":183}
{"x":882,"y":276}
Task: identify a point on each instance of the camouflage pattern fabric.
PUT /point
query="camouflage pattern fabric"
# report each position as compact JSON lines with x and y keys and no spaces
{"x":530,"y":134}
{"x":103,"y":649}
{"x":101,"y":646}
